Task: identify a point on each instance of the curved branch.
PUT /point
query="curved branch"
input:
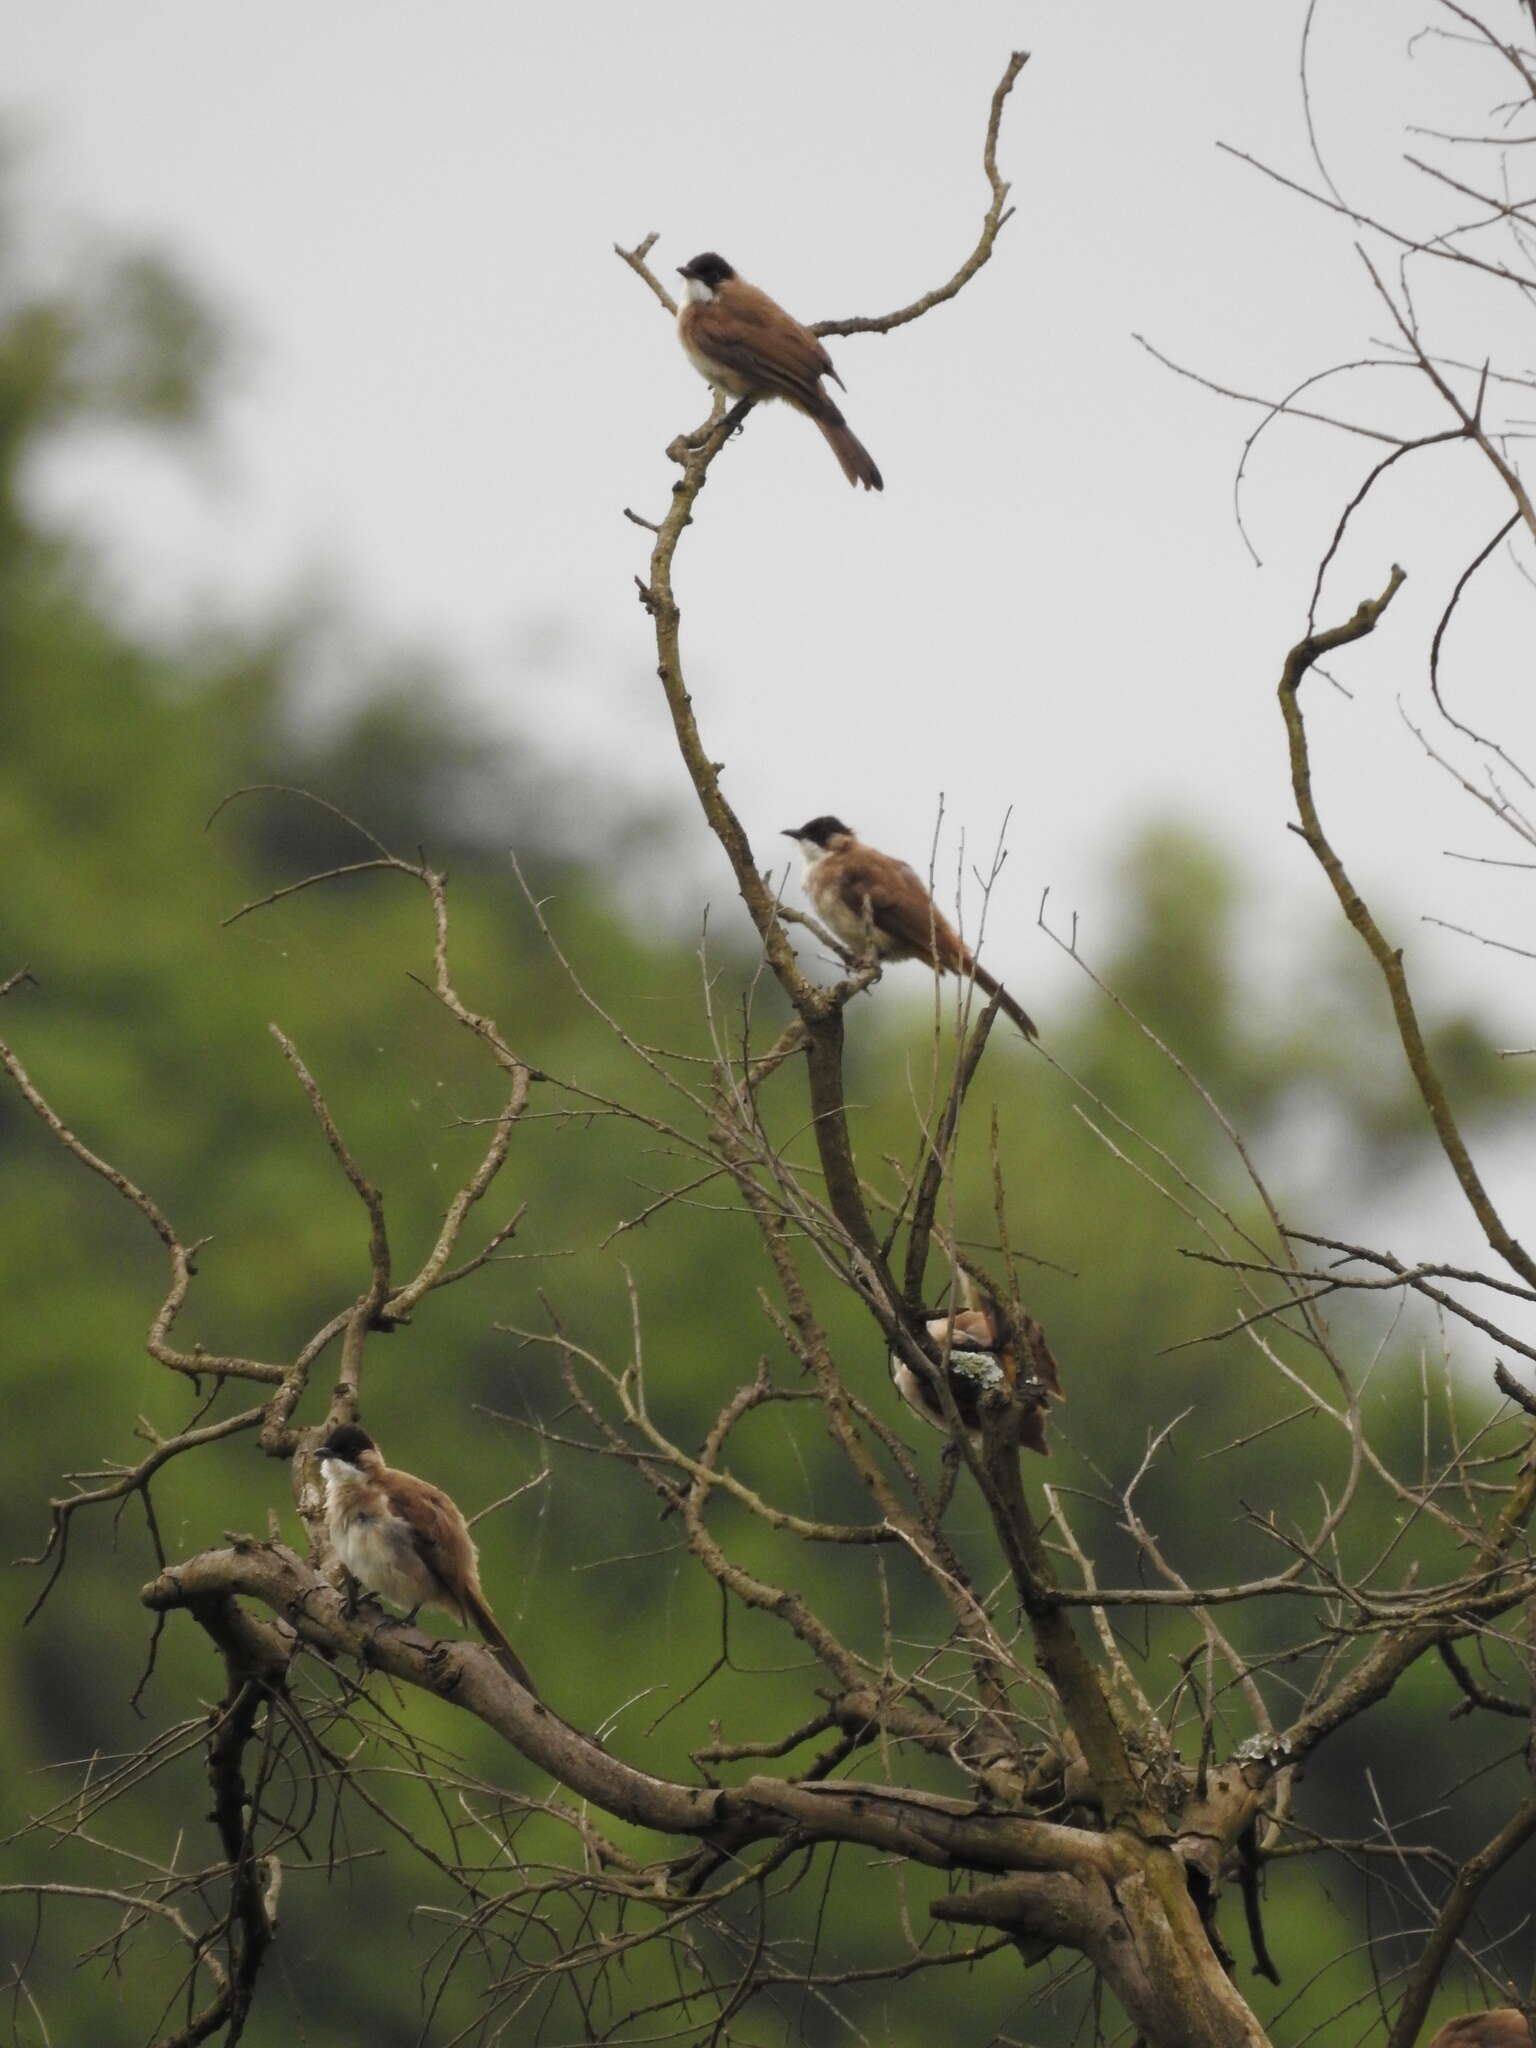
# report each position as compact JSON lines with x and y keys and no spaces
{"x":1464,"y":1893}
{"x":943,"y":1833}
{"x":1388,"y":958}
{"x":367,"y":1193}
{"x":993,"y":221}
{"x":819,"y":1010}
{"x":134,"y":1481}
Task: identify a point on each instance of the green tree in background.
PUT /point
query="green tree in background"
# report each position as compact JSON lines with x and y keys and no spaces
{"x":847,"y":1728}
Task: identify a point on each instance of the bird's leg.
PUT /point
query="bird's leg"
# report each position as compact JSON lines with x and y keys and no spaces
{"x":730,"y":422}
{"x":738,"y":412}
{"x":401,"y":1620}
{"x":355,"y":1597}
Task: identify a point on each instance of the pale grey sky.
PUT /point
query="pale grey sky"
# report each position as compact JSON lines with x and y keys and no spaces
{"x":452,"y":388}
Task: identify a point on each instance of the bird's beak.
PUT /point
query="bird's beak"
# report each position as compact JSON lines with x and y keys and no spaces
{"x":788,"y":834}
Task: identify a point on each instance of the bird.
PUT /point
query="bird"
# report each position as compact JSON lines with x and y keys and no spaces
{"x":404,"y":1539}
{"x":978,"y":1350}
{"x":742,"y":342}
{"x":868,"y":897}
{"x":1503,"y":2027}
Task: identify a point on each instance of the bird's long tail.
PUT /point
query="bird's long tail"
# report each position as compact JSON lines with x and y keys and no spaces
{"x":858,"y":465}
{"x":1005,"y":1001}
{"x":483,"y":1619}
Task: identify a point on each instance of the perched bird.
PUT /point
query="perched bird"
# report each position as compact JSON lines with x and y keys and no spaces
{"x":978,"y":1350}
{"x":741,"y":342}
{"x":865,"y":896}
{"x":1504,"y":2027}
{"x":403,"y":1539}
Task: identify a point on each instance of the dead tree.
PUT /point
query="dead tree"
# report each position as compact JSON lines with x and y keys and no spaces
{"x":995,"y":1722}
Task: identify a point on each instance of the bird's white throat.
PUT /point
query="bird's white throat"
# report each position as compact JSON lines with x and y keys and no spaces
{"x":338,"y":1476}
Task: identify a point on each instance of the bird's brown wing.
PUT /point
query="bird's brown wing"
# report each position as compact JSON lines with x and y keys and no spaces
{"x":900,"y":907}
{"x":979,"y":1326}
{"x":438,"y":1531}
{"x":1504,"y":2027}
{"x":976,"y":1326}
{"x":759,"y":343}
{"x":1041,"y":1358}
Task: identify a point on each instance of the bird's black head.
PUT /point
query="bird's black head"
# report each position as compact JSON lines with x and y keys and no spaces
{"x":820,"y":831}
{"x":346,"y":1442}
{"x":708,"y":269}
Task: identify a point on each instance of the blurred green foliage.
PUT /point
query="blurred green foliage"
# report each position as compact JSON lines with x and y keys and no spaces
{"x":147,"y":1030}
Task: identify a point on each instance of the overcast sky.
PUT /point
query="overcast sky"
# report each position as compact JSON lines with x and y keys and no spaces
{"x":450,"y":389}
